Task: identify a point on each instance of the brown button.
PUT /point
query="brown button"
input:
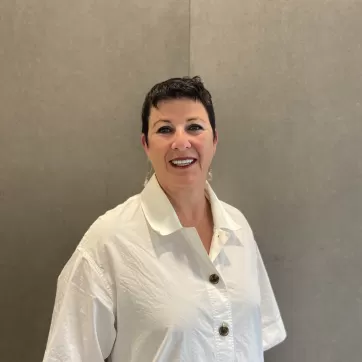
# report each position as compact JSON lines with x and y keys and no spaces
{"x":224,"y":330}
{"x":214,"y":278}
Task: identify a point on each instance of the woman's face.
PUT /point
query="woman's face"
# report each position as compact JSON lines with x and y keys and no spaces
{"x":181,"y":144}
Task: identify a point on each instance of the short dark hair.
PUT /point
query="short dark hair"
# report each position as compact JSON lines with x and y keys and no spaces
{"x":177,"y":88}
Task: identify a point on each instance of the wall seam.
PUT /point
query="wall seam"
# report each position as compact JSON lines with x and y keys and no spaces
{"x":189,"y":65}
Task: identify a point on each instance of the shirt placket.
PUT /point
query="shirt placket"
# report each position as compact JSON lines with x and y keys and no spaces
{"x":220,"y":304}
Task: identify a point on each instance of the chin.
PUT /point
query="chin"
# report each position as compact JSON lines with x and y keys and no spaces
{"x":186,"y":180}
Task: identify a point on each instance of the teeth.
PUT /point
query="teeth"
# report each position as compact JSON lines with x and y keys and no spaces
{"x":182,"y":162}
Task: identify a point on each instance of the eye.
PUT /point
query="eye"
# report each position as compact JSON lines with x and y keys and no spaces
{"x":164,"y":129}
{"x":195,"y":127}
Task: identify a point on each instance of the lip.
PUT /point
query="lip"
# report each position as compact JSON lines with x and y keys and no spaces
{"x":183,"y":158}
{"x":194,"y":160}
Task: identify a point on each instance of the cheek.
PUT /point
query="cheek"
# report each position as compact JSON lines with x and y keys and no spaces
{"x":207,"y":150}
{"x":157,"y":152}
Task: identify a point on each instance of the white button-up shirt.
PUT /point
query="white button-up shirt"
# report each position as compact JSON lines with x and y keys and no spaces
{"x":141,"y":288}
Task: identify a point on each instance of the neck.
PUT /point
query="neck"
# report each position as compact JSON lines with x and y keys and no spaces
{"x":190,"y":204}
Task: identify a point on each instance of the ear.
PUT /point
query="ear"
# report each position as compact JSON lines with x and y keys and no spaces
{"x":144,"y":143}
{"x":216,"y":140}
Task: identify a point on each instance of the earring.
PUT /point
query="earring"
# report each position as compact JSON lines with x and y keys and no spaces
{"x":209,"y":175}
{"x":149,"y":173}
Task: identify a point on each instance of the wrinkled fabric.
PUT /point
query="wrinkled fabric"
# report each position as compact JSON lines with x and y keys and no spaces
{"x":137,"y":289}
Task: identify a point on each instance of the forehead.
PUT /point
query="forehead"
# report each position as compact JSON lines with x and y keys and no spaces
{"x":178,"y":109}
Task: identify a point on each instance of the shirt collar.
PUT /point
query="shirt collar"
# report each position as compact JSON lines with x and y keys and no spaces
{"x":162,"y":217}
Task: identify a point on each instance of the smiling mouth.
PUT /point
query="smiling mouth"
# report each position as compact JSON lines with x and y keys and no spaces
{"x":183,"y":163}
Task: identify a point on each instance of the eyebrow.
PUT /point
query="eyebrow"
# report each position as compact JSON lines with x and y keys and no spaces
{"x":188,"y":120}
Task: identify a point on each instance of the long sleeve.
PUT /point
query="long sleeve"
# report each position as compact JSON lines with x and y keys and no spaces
{"x":83,"y":321}
{"x":272,"y":323}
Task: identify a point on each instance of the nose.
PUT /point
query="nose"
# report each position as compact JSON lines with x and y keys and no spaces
{"x":181,"y":141}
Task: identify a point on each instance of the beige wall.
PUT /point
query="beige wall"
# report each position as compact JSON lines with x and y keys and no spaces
{"x":287,"y":84}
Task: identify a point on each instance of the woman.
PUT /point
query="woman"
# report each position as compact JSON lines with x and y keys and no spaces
{"x":172,"y":274}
